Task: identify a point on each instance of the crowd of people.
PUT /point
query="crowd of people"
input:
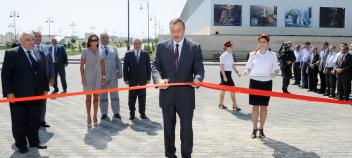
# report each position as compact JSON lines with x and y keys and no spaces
{"x":30,"y":68}
{"x":330,"y":64}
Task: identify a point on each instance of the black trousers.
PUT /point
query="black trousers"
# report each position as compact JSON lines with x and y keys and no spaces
{"x":43,"y":112}
{"x":322,"y":82}
{"x":331,"y":79}
{"x":344,"y":86}
{"x":304,"y":78}
{"x":313,"y":79}
{"x":25,"y":118}
{"x":60,"y":70}
{"x":132,"y":97}
{"x":286,"y":77}
{"x":169,"y":117}
{"x":297,"y":72}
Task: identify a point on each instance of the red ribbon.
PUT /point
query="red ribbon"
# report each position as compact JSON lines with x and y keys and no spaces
{"x":202,"y":84}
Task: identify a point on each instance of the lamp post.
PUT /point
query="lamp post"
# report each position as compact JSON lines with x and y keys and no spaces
{"x":14,"y":15}
{"x":128,"y":25}
{"x":11,"y":26}
{"x":141,"y":7}
{"x":92,"y":28}
{"x":49,"y":20}
{"x":72,"y":26}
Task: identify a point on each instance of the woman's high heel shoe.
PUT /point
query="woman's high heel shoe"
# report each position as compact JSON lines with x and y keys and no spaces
{"x":222,"y":106}
{"x":261,"y":133}
{"x":236,"y":108}
{"x":254,"y":133}
{"x":89,"y":123}
{"x":96,"y":123}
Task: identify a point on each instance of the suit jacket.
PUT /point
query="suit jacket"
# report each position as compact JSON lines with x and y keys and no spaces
{"x":48,"y":60}
{"x":323,"y":59}
{"x":137,"y":73}
{"x":190,"y":67}
{"x":19,"y":77}
{"x":346,"y":65}
{"x":113,"y":66}
{"x":315,"y":61}
{"x":60,"y":55}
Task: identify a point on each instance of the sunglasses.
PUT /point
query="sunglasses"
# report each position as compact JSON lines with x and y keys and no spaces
{"x":93,"y":40}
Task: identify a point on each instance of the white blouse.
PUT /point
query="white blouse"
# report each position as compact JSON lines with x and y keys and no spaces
{"x":262,"y":65}
{"x":226,"y":58}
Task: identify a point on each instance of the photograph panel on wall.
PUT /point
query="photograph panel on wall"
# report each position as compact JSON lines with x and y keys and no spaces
{"x":298,"y":17}
{"x":227,"y":15}
{"x":332,"y":17}
{"x":263,"y":15}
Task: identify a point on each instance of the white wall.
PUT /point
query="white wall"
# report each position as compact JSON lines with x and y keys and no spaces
{"x":202,"y":18}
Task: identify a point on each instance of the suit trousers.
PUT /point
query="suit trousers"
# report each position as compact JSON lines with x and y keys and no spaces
{"x":25,"y":118}
{"x":114,"y":98}
{"x":297,"y":72}
{"x":60,"y":70}
{"x":132,"y":98}
{"x":344,"y":86}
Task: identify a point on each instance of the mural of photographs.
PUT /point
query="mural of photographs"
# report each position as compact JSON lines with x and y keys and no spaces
{"x":263,"y":15}
{"x":332,"y":17}
{"x":298,"y":17}
{"x":227,"y":15}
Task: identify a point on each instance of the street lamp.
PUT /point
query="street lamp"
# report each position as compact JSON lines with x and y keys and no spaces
{"x":72,"y":26}
{"x":14,"y":15}
{"x":11,"y":26}
{"x":141,"y":7}
{"x":49,"y":20}
{"x":92,"y":28}
{"x":128,"y":25}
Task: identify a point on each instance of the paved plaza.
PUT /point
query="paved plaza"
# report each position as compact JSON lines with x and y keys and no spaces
{"x":294,"y":129}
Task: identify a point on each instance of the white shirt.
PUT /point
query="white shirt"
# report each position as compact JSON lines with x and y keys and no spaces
{"x":226,"y":58}
{"x":332,"y":59}
{"x":180,"y":44}
{"x":262,"y":65}
{"x":32,"y":53}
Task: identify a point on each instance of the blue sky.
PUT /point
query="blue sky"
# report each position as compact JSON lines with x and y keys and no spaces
{"x":104,"y":15}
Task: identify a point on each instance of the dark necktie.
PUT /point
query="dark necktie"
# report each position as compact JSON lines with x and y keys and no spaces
{"x":176,"y":56}
{"x":106,"y":51}
{"x":33,"y":61}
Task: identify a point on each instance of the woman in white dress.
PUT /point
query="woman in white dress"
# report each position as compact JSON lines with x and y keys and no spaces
{"x":93,"y":75}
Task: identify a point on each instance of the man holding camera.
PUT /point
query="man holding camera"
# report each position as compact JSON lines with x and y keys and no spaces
{"x":286,"y":58}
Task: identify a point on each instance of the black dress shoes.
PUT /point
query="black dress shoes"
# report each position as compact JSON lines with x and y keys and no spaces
{"x":23,"y":150}
{"x":117,"y":116}
{"x":143,"y":116}
{"x":39,"y":146}
{"x":45,"y":125}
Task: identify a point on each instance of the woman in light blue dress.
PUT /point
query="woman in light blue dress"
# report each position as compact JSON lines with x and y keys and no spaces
{"x":93,"y":75}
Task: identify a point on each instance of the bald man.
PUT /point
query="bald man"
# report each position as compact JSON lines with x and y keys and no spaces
{"x":59,"y":57}
{"x":23,"y":75}
{"x":137,"y":72}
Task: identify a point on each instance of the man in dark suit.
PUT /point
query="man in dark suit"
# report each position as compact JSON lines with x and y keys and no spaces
{"x":137,"y":72}
{"x":49,"y":67}
{"x":343,"y":71}
{"x":313,"y":70}
{"x":23,"y":75}
{"x":178,"y":60}
{"x":60,"y":61}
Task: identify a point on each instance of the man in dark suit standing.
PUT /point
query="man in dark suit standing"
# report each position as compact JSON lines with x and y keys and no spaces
{"x":137,"y":72}
{"x":49,"y":67}
{"x":343,"y":70}
{"x":60,"y":61}
{"x":23,"y":75}
{"x":178,"y":60}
